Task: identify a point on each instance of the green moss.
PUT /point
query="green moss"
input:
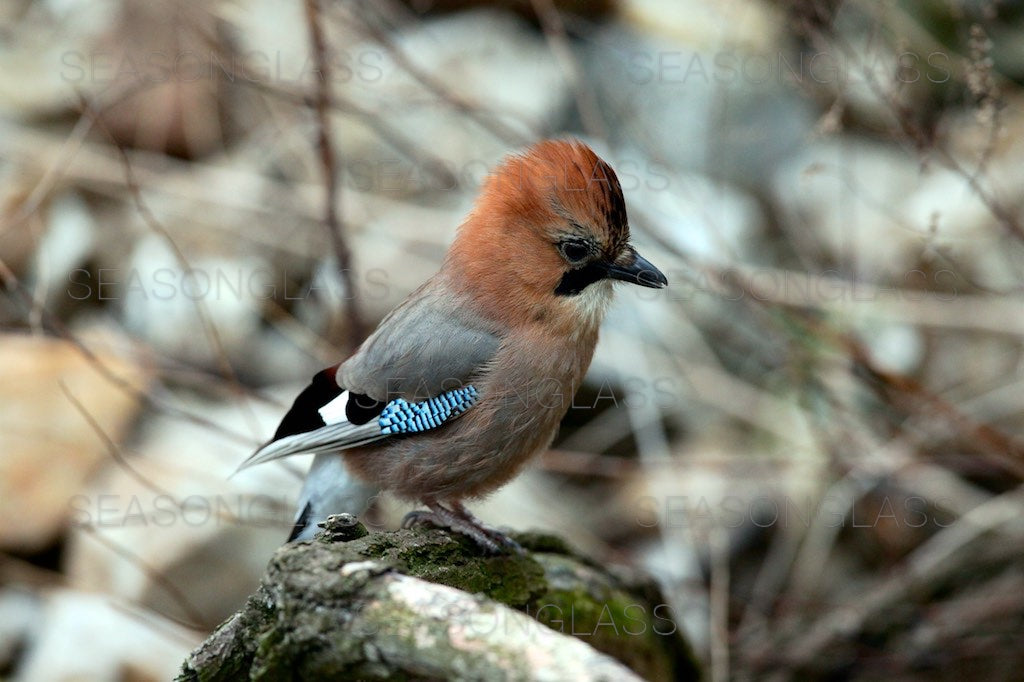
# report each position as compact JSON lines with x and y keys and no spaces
{"x":614,"y":624}
{"x":534,"y":541}
{"x":269,"y":663}
{"x":454,"y":561}
{"x":304,"y":621}
{"x":187,"y":674}
{"x":601,"y":609}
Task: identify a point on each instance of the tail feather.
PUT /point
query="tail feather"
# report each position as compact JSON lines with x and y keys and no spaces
{"x":324,"y":417}
{"x":329,"y":489}
{"x":325,"y":439}
{"x":338,"y":431}
{"x":302,"y":521}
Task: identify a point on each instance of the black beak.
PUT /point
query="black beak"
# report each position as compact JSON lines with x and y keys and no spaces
{"x":638,"y":271}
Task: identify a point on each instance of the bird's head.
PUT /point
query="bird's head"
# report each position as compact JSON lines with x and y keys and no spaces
{"x":548,"y":235}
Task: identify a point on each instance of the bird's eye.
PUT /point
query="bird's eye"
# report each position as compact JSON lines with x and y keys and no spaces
{"x":574,"y":251}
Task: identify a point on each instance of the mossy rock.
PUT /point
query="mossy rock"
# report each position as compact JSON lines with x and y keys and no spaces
{"x":353,"y":605}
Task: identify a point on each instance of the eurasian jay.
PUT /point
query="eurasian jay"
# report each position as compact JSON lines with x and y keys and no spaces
{"x":469,"y":377}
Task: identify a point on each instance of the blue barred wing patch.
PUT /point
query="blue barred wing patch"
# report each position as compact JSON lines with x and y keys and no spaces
{"x":401,"y":416}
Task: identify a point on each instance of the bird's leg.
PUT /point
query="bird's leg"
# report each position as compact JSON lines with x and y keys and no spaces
{"x":493,"y":533}
{"x":419,"y":517}
{"x":440,"y":516}
{"x":443,"y":517}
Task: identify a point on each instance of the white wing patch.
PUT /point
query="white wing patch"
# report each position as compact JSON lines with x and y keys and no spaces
{"x":399,"y":417}
{"x":334,"y":411}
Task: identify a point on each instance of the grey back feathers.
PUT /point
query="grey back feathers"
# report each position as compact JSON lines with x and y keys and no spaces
{"x":426,"y":346}
{"x":426,"y":352}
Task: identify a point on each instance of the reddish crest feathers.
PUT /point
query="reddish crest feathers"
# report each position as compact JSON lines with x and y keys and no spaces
{"x":505,"y":257}
{"x":560,"y":179}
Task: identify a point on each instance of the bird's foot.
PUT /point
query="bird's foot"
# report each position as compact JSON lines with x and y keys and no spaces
{"x":489,"y":539}
{"x":420,"y":517}
{"x":499,"y":537}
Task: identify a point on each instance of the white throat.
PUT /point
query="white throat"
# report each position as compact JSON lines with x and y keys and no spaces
{"x":592,"y":303}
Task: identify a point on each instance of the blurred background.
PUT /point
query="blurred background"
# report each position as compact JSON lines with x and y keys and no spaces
{"x":813,"y":438}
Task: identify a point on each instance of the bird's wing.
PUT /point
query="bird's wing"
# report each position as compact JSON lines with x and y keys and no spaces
{"x":412,"y":375}
{"x":425,"y":347}
{"x":399,"y":417}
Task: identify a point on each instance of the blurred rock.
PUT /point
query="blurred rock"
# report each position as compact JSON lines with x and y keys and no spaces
{"x":274,"y":37}
{"x":111,"y":641}
{"x":46,"y":50}
{"x":397,"y":244}
{"x":149,"y":67}
{"x":50,"y":449}
{"x":193,"y":538}
{"x":157,"y":70}
{"x":969,"y":227}
{"x":458,"y":56}
{"x":722,"y":108}
{"x":462,"y":54}
{"x":874,"y":80}
{"x":882,"y":216}
{"x":755,"y":26}
{"x":843,"y":196}
{"x":897,"y":348}
{"x":20,"y":622}
{"x":70,"y":238}
{"x":708,"y":221}
{"x":170,"y":305}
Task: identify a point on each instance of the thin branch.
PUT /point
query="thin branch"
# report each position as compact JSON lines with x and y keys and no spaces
{"x":238,"y":72}
{"x":328,"y":161}
{"x":436,"y":87}
{"x":191,"y":611}
{"x":54,"y":325}
{"x":205,"y":318}
{"x":939,"y":557}
{"x":913,"y":132}
{"x":558,"y":43}
{"x":115,"y":451}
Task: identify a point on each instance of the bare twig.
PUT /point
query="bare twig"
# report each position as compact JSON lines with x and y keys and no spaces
{"x":471,"y":110}
{"x":328,"y":161}
{"x":202,"y":311}
{"x":239,"y":72}
{"x":112,"y":447}
{"x":941,"y":556}
{"x":558,"y":42}
{"x":917,"y":135}
{"x":196,"y":618}
{"x":719,"y":602}
{"x":54,"y":325}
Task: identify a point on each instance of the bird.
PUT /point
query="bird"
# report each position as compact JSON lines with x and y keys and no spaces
{"x":467,"y":379}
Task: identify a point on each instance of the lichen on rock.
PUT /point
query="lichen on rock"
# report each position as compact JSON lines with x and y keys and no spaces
{"x":426,"y":604}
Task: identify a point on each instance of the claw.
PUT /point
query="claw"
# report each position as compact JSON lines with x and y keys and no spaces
{"x":494,"y":534}
{"x":504,"y":541}
{"x":458,"y":520}
{"x":418,"y":517}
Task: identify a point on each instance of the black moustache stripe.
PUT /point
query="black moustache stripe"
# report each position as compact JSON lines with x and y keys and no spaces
{"x":575,"y":281}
